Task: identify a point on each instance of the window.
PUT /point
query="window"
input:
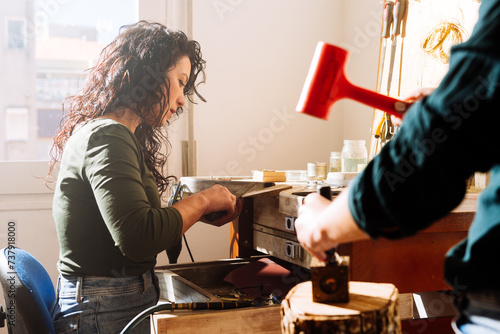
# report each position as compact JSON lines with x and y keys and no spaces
{"x":16,"y":124}
{"x":16,"y":33}
{"x":47,"y":122}
{"x":59,"y":40}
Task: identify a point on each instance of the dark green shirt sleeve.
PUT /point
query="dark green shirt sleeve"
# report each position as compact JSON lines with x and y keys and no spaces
{"x":420,"y":175}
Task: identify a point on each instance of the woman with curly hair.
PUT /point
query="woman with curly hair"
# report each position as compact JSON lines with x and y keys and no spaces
{"x":109,"y":220}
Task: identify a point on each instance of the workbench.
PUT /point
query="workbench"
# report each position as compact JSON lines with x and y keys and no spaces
{"x":202,"y":282}
{"x":265,"y":228}
{"x":414,"y":265}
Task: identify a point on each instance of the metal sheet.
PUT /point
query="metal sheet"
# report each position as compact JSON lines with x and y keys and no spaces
{"x":237,"y":188}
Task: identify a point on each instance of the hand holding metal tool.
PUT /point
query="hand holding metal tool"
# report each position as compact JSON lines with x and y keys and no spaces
{"x":330,"y":278}
{"x":237,"y":188}
{"x":326,"y":192}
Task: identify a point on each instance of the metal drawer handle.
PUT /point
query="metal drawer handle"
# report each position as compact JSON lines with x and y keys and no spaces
{"x":293,"y":250}
{"x":290,"y":224}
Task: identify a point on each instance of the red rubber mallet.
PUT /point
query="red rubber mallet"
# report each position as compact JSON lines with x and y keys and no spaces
{"x":326,"y":83}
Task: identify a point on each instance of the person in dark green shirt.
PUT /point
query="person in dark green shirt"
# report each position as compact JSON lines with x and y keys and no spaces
{"x":420,"y":176}
{"x":109,"y":219}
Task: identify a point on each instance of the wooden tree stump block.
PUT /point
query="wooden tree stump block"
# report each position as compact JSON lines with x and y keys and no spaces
{"x":372,"y":308}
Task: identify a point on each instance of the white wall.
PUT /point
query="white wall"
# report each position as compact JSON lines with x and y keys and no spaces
{"x":361,"y":36}
{"x":258,"y":53}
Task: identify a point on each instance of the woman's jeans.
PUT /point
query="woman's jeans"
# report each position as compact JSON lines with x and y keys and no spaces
{"x":94,"y":304}
{"x":479,"y":313}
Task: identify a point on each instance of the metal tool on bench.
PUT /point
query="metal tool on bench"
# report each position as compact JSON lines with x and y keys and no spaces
{"x":330,"y":279}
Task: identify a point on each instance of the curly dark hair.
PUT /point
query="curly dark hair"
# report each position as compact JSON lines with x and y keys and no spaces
{"x":131,"y":72}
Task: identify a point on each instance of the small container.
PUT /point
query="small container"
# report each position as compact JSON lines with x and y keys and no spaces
{"x":335,"y":162}
{"x":353,"y":154}
{"x":316,"y":171}
{"x":296,"y":175}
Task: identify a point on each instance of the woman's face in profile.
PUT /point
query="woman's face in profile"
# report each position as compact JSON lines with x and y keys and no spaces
{"x":178,"y":76}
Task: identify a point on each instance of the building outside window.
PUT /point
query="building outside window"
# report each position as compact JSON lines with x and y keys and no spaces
{"x":15,"y":33}
{"x":16,"y":124}
{"x":48,"y":46}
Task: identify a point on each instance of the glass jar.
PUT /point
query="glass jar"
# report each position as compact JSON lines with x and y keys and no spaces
{"x":335,"y":162}
{"x":316,"y":171}
{"x":353,"y":154}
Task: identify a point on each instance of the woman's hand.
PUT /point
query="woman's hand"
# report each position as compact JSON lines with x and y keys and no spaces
{"x":222,"y":202}
{"x":214,"y":199}
{"x":227,"y":215}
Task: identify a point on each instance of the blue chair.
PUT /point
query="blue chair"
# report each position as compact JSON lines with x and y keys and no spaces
{"x":28,"y":292}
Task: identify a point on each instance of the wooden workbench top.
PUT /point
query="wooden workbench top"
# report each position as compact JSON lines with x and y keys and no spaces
{"x":291,"y":199}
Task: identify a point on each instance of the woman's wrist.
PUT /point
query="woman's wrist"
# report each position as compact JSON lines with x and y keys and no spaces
{"x":192,"y":209}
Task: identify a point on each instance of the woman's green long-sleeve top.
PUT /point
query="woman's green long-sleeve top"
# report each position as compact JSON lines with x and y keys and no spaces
{"x":106,"y":205}
{"x":421,"y":174}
